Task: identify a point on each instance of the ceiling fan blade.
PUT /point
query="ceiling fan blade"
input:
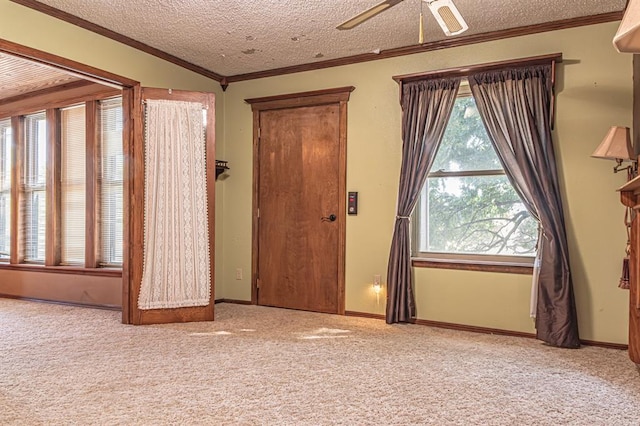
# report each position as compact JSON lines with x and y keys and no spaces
{"x":447,"y":16}
{"x":367,"y":14}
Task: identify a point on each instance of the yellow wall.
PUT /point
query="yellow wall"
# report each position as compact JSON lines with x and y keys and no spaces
{"x":594,"y":92}
{"x":24,"y":26}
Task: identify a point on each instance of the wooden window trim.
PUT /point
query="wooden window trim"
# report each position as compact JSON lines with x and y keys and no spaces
{"x":53,"y":189}
{"x":92,"y":163}
{"x":472,"y":266}
{"x":17,"y":132}
{"x":70,"y":270}
{"x":89,"y":94}
{"x":56,"y":97}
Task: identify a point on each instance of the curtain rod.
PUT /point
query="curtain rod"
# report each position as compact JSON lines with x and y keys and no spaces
{"x":472,"y":69}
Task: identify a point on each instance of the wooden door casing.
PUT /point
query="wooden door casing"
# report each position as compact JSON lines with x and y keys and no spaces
{"x":305,"y":238}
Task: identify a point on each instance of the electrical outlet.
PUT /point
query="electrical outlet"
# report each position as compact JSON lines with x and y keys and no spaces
{"x":238,"y":273}
{"x":376,"y":280}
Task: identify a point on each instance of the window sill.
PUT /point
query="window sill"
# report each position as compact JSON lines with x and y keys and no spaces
{"x":470,"y":265}
{"x":97,"y":272}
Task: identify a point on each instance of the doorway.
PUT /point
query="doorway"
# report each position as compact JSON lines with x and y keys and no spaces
{"x":299,"y":202}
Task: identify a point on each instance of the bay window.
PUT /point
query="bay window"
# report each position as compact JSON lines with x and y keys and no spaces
{"x":65,"y":188}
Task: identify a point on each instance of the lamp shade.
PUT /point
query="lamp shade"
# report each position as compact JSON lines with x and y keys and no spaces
{"x":627,"y":38}
{"x":616,"y":145}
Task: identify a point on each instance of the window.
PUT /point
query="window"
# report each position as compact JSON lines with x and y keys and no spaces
{"x":468,"y":209}
{"x":34,"y":187}
{"x":73,"y":184}
{"x":69,"y":186}
{"x":111,"y":182}
{"x":5,"y":189}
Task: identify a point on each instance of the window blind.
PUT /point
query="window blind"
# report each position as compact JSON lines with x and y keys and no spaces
{"x":110,"y":182}
{"x":34,"y":187}
{"x":73,"y":184}
{"x":5,"y":189}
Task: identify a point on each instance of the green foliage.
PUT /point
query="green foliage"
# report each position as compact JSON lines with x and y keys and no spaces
{"x":473,"y":214}
{"x":465,"y":144}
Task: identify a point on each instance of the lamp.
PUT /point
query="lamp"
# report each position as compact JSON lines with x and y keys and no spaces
{"x":616,"y":145}
{"x":377,"y":288}
{"x":627,"y":38}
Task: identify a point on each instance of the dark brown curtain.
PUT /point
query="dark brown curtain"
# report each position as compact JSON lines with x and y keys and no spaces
{"x":515,"y":108}
{"x":426,"y":107}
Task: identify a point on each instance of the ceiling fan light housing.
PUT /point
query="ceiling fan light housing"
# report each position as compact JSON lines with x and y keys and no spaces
{"x":447,"y":16}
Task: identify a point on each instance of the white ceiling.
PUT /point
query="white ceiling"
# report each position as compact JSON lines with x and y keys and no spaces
{"x":243,"y":36}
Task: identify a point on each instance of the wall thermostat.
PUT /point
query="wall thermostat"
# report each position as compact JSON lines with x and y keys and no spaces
{"x":352,"y":203}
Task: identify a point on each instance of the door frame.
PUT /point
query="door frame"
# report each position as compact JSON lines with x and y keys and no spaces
{"x":131,"y":91}
{"x":338,"y":96}
{"x":135,"y":230}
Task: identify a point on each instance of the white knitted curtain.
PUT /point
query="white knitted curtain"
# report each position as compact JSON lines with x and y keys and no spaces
{"x":176,"y":270}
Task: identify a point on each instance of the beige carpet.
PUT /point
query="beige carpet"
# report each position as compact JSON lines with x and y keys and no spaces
{"x":264,"y":366}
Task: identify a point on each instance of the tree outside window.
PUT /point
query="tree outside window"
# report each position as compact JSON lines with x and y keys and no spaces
{"x":468,"y":207}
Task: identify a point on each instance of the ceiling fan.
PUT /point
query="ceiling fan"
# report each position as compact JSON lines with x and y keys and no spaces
{"x":445,"y":12}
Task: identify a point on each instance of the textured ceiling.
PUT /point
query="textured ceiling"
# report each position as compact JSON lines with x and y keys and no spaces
{"x":18,"y":77}
{"x":243,"y":36}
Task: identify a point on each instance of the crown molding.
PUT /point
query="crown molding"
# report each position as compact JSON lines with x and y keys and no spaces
{"x":90,"y":26}
{"x":436,"y":45}
{"x":365,"y":57}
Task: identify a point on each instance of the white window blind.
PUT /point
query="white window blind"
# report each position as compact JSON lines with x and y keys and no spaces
{"x":5,"y":189}
{"x":111,"y":182}
{"x":34,"y":213}
{"x":73,"y":184}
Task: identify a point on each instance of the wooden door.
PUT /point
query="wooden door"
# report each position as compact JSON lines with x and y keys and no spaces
{"x":134,"y":205}
{"x":299,"y":201}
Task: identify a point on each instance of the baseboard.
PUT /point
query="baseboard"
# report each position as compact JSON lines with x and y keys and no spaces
{"x":619,"y":346}
{"x":485,"y":330}
{"x":474,"y":329}
{"x":429,"y":323}
{"x":364,"y":315}
{"x":234,"y":301}
{"x":58,"y":302}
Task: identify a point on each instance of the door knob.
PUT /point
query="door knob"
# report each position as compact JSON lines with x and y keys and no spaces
{"x":330,"y":218}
